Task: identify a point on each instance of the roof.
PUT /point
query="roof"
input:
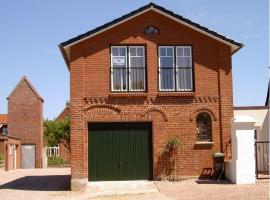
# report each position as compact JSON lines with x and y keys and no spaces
{"x":3,"y":118}
{"x":65,"y":112}
{"x":250,"y":107}
{"x":64,"y":46}
{"x":6,"y":137}
{"x":24,"y":79}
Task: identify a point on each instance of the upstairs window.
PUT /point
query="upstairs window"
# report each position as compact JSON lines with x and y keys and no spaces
{"x":175,"y":68}
{"x":128,"y":68}
{"x":204,"y":127}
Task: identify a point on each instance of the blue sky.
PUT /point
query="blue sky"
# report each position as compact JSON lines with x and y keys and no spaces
{"x":31,"y":30}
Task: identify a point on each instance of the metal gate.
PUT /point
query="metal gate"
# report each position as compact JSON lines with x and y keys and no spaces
{"x":262,"y":159}
{"x":28,"y":156}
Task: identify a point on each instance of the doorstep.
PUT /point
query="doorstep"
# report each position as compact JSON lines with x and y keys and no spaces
{"x":113,"y":188}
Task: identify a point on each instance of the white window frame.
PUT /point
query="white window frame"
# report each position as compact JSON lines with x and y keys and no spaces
{"x":175,"y":79}
{"x":129,"y":68}
{"x":160,"y":89}
{"x":126,"y":66}
{"x":191,"y":67}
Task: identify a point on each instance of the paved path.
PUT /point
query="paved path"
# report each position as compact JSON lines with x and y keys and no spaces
{"x":53,"y":183}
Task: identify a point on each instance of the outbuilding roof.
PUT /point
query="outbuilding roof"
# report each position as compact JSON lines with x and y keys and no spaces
{"x":25,"y":79}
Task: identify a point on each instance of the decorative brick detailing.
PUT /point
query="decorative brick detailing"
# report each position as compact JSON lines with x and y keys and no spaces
{"x":206,"y":99}
{"x":203,"y":109}
{"x":156,"y":109}
{"x":111,"y":107}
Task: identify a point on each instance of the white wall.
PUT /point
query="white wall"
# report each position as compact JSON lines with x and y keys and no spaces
{"x":241,"y":168}
{"x":261,"y":115}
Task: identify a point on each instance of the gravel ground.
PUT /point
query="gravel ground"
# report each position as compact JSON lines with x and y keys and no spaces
{"x":53,"y":183}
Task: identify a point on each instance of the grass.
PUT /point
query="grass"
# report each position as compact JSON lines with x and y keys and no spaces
{"x":2,"y":157}
{"x":57,"y":161}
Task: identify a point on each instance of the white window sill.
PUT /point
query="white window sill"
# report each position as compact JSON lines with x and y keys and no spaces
{"x":204,"y":143}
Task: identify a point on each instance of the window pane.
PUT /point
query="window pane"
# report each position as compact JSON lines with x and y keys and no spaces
{"x":162,"y":51}
{"x":166,"y":62}
{"x":187,"y":51}
{"x":184,"y":79}
{"x":180,"y":51}
{"x":132,"y":51}
{"x":166,"y":79}
{"x":204,"y":127}
{"x":169,"y":51}
{"x":137,"y":77}
{"x":183,"y":62}
{"x":140,"y":51}
{"x":122,"y":51}
{"x":136,"y":62}
{"x":119,"y":79}
{"x":115,"y":51}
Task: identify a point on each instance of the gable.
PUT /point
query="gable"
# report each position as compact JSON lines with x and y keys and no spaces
{"x":24,"y":84}
{"x":65,"y":46}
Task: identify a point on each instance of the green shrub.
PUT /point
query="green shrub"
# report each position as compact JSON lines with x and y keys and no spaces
{"x":2,"y":157}
{"x":172,"y":143}
{"x":55,"y":161}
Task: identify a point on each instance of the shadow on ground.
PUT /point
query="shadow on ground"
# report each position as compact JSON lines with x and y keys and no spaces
{"x":211,"y":181}
{"x":41,"y":183}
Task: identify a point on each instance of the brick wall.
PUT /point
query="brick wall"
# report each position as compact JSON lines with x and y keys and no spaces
{"x":25,"y":117}
{"x":170,"y":113}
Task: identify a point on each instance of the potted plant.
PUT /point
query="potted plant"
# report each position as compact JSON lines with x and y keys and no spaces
{"x":172,"y":145}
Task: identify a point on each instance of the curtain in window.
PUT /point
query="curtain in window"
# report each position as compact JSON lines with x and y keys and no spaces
{"x":166,"y":68}
{"x":136,"y":68}
{"x":184,"y":69}
{"x":119,"y":68}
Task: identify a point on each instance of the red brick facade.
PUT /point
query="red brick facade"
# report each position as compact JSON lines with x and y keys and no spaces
{"x":171,"y":113}
{"x":25,"y":117}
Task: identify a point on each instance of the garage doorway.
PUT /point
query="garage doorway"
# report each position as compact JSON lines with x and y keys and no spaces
{"x":28,"y":156}
{"x":119,"y":151}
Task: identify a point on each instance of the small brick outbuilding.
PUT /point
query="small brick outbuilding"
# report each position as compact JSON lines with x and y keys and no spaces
{"x":25,"y":121}
{"x":10,"y":147}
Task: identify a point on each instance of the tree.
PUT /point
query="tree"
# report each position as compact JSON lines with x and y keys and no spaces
{"x":57,"y":131}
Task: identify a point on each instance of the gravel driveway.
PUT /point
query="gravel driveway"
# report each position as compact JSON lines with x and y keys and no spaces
{"x":53,"y":183}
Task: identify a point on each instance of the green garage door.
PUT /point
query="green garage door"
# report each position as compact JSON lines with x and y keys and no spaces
{"x":119,"y":151}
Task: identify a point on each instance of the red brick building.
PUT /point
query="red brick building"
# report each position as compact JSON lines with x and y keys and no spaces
{"x":25,"y":121}
{"x":139,"y":80}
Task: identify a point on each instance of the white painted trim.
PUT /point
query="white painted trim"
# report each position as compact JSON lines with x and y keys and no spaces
{"x":105,"y":29}
{"x":234,"y":47}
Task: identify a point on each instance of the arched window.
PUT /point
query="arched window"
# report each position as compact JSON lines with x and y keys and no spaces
{"x":204,"y":127}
